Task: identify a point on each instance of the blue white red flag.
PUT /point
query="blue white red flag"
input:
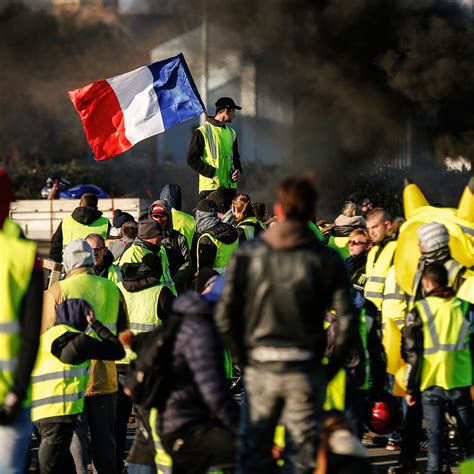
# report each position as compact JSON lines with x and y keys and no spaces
{"x":118,"y":112}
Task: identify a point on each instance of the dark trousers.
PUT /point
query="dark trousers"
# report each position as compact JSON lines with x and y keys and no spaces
{"x":197,"y":447}
{"x":99,"y":416}
{"x":124,"y":410}
{"x":435,"y":401}
{"x":411,"y":435}
{"x":53,"y":453}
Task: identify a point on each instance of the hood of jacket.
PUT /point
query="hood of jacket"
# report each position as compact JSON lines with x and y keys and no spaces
{"x":288,"y":234}
{"x":171,"y":193}
{"x":165,"y":205}
{"x":86,"y":215}
{"x":205,"y":221}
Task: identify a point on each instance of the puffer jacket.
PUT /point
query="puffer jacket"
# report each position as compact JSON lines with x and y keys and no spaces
{"x":277,"y":291}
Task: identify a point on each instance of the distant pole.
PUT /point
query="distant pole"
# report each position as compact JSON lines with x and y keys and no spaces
{"x":205,"y":57}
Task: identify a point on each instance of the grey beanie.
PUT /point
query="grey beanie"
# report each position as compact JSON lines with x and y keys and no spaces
{"x":433,"y":236}
{"x":77,"y":253}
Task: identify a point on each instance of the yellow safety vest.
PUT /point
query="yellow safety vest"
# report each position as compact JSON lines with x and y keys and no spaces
{"x":100,"y":293}
{"x":73,"y":230}
{"x":224,"y":252}
{"x":163,"y":461}
{"x":377,"y":272}
{"x":17,"y":258}
{"x":218,"y":153}
{"x":340,"y":245}
{"x":466,"y":292}
{"x":11,"y":228}
{"x":58,"y":389}
{"x":446,"y":353}
{"x":248,"y":225}
{"x":142,"y":305}
{"x":183,"y":223}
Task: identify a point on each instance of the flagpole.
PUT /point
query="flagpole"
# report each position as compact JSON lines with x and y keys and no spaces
{"x":205,"y":59}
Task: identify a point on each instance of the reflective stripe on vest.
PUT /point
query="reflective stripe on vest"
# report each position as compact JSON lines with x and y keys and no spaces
{"x":218,"y":153}
{"x":377,"y":272}
{"x":223,"y":254}
{"x":163,"y":462}
{"x":58,"y":389}
{"x":248,"y":225}
{"x":17,"y":258}
{"x":75,"y":230}
{"x":446,"y":354}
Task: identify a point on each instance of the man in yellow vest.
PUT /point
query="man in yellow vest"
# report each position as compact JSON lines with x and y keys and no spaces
{"x":21,"y":286}
{"x":214,"y":152}
{"x":217,"y":240}
{"x":60,"y":378}
{"x":380,"y":257}
{"x":438,"y":346}
{"x":84,"y":220}
{"x":108,"y":304}
{"x":144,"y":279}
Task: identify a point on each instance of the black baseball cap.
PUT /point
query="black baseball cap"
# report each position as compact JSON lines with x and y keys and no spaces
{"x":226,"y":103}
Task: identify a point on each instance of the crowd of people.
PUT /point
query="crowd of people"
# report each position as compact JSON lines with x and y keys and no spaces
{"x":281,"y":338}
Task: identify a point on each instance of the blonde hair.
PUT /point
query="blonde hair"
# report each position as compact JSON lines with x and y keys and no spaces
{"x":242,"y":206}
{"x":363,"y":232}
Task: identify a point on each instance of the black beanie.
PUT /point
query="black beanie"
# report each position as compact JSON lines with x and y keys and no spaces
{"x":121,"y":217}
{"x":205,"y":205}
{"x":148,"y":228}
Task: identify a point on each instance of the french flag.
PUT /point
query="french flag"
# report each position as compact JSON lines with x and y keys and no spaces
{"x":118,"y":112}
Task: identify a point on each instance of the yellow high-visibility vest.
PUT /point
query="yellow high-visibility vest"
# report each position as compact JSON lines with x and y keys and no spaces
{"x":248,"y":225}
{"x":58,"y":389}
{"x":377,"y":272}
{"x":17,"y":258}
{"x":73,"y":230}
{"x":446,"y":353}
{"x":218,"y":153}
{"x":224,"y":252}
{"x":183,"y":223}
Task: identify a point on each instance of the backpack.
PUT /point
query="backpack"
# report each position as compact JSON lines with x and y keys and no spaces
{"x":149,"y":379}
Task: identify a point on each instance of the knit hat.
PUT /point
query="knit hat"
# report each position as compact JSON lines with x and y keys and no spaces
{"x":157,"y":208}
{"x":206,"y":205}
{"x":218,"y":198}
{"x":433,"y":236}
{"x":77,"y":253}
{"x":121,"y":217}
{"x":148,"y":228}
{"x":73,"y":312}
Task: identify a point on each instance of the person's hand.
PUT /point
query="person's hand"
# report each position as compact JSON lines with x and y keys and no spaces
{"x":410,"y":399}
{"x":236,"y":175}
{"x":11,"y":406}
{"x":91,"y":319}
{"x":125,"y":338}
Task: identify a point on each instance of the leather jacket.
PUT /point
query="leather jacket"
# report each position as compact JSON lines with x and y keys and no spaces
{"x":277,"y":291}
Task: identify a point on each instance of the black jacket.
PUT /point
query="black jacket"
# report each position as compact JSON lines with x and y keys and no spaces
{"x":277,"y":291}
{"x":196,"y":150}
{"x":200,"y":388}
{"x":83,"y":215}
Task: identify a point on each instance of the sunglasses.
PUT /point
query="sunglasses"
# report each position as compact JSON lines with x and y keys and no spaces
{"x":357,"y":242}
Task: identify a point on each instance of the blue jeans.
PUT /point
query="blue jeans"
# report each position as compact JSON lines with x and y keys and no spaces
{"x":15,"y":440}
{"x":435,"y":400}
{"x":297,"y":399}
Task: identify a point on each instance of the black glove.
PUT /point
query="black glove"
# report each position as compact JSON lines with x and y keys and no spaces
{"x":10,"y":408}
